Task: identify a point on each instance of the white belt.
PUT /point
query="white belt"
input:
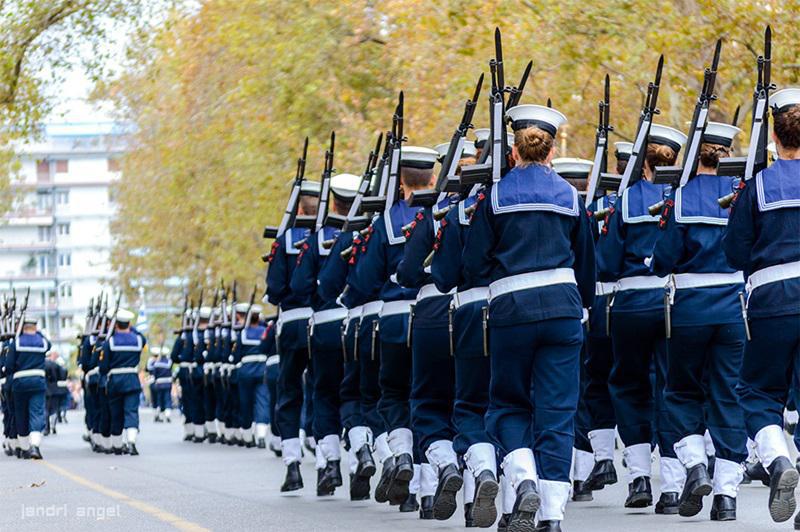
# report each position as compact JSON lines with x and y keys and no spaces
{"x":302,"y":313}
{"x":122,"y":371}
{"x":373,"y":307}
{"x":526,"y":281}
{"x":354,"y":313}
{"x":29,"y":373}
{"x":773,"y":274}
{"x":247,"y":359}
{"x":327,"y":316}
{"x":700,"y":280}
{"x":641,"y":282}
{"x":479,"y":293}
{"x":162,"y":380}
{"x":430,"y":290}
{"x":61,"y":384}
{"x":604,"y":289}
{"x":2,"y":381}
{"x":208,"y":367}
{"x":190,"y":365}
{"x":392,"y":308}
{"x":274,"y":359}
{"x":93,"y":371}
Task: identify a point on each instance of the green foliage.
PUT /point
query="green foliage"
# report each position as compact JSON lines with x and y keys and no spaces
{"x":222,"y":97}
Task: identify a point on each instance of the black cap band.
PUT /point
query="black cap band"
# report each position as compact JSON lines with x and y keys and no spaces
{"x":526,"y":123}
{"x":716,"y":139}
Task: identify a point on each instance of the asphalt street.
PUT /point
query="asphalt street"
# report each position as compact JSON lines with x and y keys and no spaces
{"x":188,"y":486}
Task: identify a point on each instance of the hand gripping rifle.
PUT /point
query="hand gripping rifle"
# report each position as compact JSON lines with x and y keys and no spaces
{"x":600,"y":165}
{"x":757,"y":156}
{"x":291,"y":206}
{"x":633,"y":171}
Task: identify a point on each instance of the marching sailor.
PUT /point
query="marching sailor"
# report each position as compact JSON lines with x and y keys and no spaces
{"x":25,"y":370}
{"x":707,"y":334}
{"x":250,"y":358}
{"x":324,"y":336}
{"x":637,"y":327}
{"x":161,"y":369}
{"x":530,"y":236}
{"x":763,"y":240}
{"x":119,"y":361}
{"x":199,"y":348}
{"x":291,"y":334}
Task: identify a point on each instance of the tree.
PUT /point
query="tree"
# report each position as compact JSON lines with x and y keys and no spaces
{"x":223,"y":96}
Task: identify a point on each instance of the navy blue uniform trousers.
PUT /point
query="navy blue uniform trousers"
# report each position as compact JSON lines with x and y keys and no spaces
{"x":395,"y":383}
{"x":29,"y":411}
{"x":583,"y":416}
{"x":703,"y":367}
{"x":369,"y":357}
{"x":534,"y":391}
{"x":349,"y":389}
{"x":432,"y":385}
{"x":327,"y":376}
{"x":272,"y":388}
{"x":599,"y":360}
{"x":123,"y":411}
{"x":769,"y":363}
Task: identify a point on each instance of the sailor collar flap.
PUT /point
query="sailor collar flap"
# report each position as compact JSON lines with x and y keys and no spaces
{"x":535,"y":188}
{"x":778,"y":186}
{"x":31,"y":343}
{"x":326,"y":233}
{"x":246,"y":335}
{"x":294,"y":235}
{"x":125,"y":345}
{"x":399,"y":215}
{"x":696,"y":202}
{"x":637,"y":199}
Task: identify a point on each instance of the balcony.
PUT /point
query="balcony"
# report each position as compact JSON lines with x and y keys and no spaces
{"x":28,"y":215}
{"x":25,"y":247}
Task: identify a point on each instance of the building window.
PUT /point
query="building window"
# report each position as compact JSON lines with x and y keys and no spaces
{"x":43,"y":170}
{"x":63,"y":229}
{"x":65,"y":290}
{"x":113,"y":165}
{"x":44,"y":201}
{"x":62,"y":197}
{"x":45,"y":233}
{"x":62,"y":166}
{"x":66,"y":322}
{"x":43,"y":265}
{"x":64,"y":259}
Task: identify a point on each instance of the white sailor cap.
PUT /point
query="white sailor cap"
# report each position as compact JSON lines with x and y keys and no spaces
{"x":345,"y":186}
{"x":572,"y":167}
{"x":204,"y":313}
{"x":544,"y":118}
{"x":30,"y":320}
{"x":256,"y":309}
{"x":784,"y":99}
{"x":668,"y":136}
{"x":310,"y":188}
{"x":123,"y":315}
{"x":623,"y":150}
{"x":481,"y":136}
{"x":418,"y":157}
{"x":720,"y":133}
{"x":468,"y":150}
{"x":241,"y":308}
{"x":773,"y":150}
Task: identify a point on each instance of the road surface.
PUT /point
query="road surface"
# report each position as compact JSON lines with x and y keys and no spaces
{"x":187,"y":486}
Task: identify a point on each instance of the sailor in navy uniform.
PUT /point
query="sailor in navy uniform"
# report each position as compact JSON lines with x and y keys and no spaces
{"x":292,"y":340}
{"x":530,"y":236}
{"x":707,"y":332}
{"x":600,"y":356}
{"x":201,"y":428}
{"x":375,"y":276}
{"x":161,"y":370}
{"x":210,"y":367}
{"x":10,"y":442}
{"x":119,"y":361}
{"x":324,"y":336}
{"x":433,"y":379}
{"x":763,"y":240}
{"x":184,"y":349}
{"x":273,"y":362}
{"x":250,"y":358}
{"x":230,"y":377}
{"x":637,"y":328}
{"x":25,"y":370}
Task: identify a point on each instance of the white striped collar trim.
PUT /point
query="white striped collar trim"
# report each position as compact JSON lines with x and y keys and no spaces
{"x":544,"y":207}
{"x":138,"y":347}
{"x":763,"y":205}
{"x":712,"y":220}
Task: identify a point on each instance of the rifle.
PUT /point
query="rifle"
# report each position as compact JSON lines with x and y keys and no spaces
{"x":633,"y":170}
{"x":196,"y":323}
{"x":22,"y":311}
{"x":106,"y":332}
{"x":325,"y":182}
{"x":600,"y":165}
{"x":249,"y":312}
{"x":291,"y":206}
{"x":757,"y":153}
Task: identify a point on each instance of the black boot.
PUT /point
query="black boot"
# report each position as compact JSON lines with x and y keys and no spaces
{"x":200,"y":439}
{"x":712,"y":462}
{"x":277,"y":450}
{"x":410,"y":504}
{"x":698,"y":485}
{"x":331,"y":477}
{"x":8,"y":450}
{"x":359,"y":488}
{"x":525,"y":507}
{"x":603,"y":474}
{"x":469,"y":522}
{"x":444,"y":501}
{"x":668,"y":503}
{"x":36,"y":454}
{"x":188,"y":437}
{"x":426,"y":510}
{"x":640,"y":495}
{"x":323,"y":489}
{"x":580,"y":493}
{"x":755,"y":471}
{"x":723,"y":508}
{"x":401,"y":476}
{"x":293,"y":481}
{"x":797,"y":521}
{"x":262,"y":443}
{"x":26,"y":454}
{"x":212,"y":437}
{"x":502,"y":524}
{"x":548,"y":526}
{"x":782,"y":482}
{"x":382,"y":489}
{"x":133,"y":451}
{"x":18,"y":453}
{"x":484,"y":512}
{"x":118,"y":451}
